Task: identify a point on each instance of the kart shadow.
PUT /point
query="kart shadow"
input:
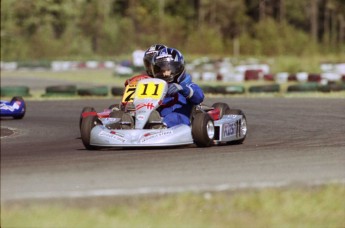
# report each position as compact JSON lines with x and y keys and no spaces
{"x":146,"y":148}
{"x":8,"y":118}
{"x":154,"y":148}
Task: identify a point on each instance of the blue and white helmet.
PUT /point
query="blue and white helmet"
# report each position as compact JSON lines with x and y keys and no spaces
{"x":149,"y":53}
{"x":168,"y":60}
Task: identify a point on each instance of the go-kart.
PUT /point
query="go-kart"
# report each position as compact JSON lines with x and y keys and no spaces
{"x":15,"y":108}
{"x":137,"y":123}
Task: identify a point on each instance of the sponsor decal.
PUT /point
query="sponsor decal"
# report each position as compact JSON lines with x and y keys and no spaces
{"x":147,"y":105}
{"x":229,"y":129}
{"x":140,"y":117}
{"x":113,"y":135}
{"x":15,"y":106}
{"x":152,"y":135}
{"x":117,"y":133}
{"x":140,"y":111}
{"x":109,"y":120}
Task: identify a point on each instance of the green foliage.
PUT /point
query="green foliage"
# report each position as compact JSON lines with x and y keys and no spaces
{"x":32,"y":29}
{"x":291,"y":207}
{"x":279,"y":39}
{"x":205,"y":41}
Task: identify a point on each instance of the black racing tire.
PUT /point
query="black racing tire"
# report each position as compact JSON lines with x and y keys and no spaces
{"x":275,"y":88}
{"x":208,"y":89}
{"x":87,"y":124}
{"x":243,"y":126}
{"x":219,"y":89}
{"x":314,"y":78}
{"x":18,"y":98}
{"x":60,"y":90}
{"x":336,"y":87}
{"x":304,"y":87}
{"x":324,"y":88}
{"x":85,"y":109}
{"x":234,"y":89}
{"x":9,"y":91}
{"x":93,"y":91}
{"x":117,"y":91}
{"x":203,"y":130}
{"x":223,"y":108}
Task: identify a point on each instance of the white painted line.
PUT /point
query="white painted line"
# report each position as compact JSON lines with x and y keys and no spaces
{"x":165,"y":190}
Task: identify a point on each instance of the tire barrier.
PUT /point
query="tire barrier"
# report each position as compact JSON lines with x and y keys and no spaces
{"x":269,"y":77}
{"x":337,"y":87}
{"x":275,"y":88}
{"x":332,"y":87}
{"x":208,"y":89}
{"x":117,"y":91}
{"x":314,"y":78}
{"x":292,"y":77}
{"x":233,"y":89}
{"x":93,"y":91}
{"x":10,"y":91}
{"x":71,"y":90}
{"x":305,"y":87}
{"x":60,"y":90}
{"x":252,"y":75}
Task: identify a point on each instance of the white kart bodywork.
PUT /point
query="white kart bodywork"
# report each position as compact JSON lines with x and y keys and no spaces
{"x":147,"y":98}
{"x":178,"y":135}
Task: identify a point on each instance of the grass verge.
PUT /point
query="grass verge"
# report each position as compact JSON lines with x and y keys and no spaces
{"x":321,"y":206}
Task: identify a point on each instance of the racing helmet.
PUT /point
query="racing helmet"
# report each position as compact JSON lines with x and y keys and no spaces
{"x":148,"y":55}
{"x":168,"y":64}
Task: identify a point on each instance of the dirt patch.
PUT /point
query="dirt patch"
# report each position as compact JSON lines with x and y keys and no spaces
{"x":5,"y":132}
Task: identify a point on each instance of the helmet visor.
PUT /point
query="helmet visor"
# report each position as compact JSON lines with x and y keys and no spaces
{"x":165,"y":70}
{"x":148,"y":61}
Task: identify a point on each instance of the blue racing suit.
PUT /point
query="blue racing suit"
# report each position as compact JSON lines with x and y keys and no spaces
{"x":178,"y":104}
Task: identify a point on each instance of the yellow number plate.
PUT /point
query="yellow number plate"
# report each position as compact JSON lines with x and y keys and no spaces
{"x":128,"y":95}
{"x":150,"y":90}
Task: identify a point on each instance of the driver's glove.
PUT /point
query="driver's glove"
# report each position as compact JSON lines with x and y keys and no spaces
{"x":182,"y":88}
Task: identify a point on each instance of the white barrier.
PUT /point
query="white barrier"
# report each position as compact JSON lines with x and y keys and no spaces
{"x":8,"y":65}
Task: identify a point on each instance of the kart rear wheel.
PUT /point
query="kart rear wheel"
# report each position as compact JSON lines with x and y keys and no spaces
{"x":14,"y":99}
{"x":203,"y":130}
{"x":87,"y":124}
{"x":223,"y":108}
{"x":243,"y":125}
{"x":85,"y":109}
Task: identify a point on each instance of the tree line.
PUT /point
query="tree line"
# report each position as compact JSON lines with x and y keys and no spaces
{"x":50,"y":29}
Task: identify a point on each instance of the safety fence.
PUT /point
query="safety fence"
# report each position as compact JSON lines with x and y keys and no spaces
{"x":104,"y":91}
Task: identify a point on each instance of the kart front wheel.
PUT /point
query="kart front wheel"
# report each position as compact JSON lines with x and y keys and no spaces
{"x":20,"y":116}
{"x":85,"y":109}
{"x":87,"y":124}
{"x":203,"y":130}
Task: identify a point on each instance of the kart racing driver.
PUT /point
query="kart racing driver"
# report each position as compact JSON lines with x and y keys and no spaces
{"x":168,"y":64}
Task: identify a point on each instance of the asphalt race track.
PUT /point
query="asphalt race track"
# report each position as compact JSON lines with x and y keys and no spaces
{"x":290,"y":141}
